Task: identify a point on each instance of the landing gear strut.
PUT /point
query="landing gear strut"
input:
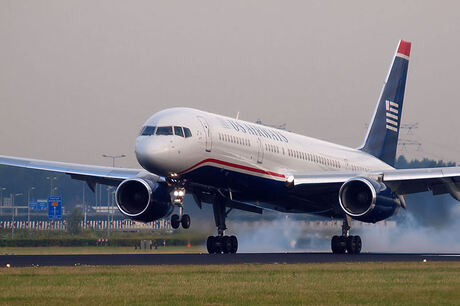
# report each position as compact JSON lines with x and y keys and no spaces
{"x":221,"y":243}
{"x":346,"y":243}
{"x":181,"y":219}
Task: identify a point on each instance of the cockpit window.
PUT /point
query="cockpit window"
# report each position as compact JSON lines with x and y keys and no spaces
{"x":148,"y":130}
{"x":187,"y":132}
{"x":164,"y":130}
{"x":178,"y":131}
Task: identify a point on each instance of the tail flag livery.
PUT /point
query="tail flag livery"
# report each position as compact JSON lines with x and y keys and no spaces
{"x":382,"y":136}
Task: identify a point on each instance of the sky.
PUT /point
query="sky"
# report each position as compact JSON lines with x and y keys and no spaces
{"x":79,"y":78}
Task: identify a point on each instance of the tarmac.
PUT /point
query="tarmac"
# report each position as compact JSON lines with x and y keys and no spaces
{"x":214,"y":259}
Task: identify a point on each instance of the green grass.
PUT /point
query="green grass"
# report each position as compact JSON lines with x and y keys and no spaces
{"x":97,"y":250}
{"x":35,"y":238}
{"x":339,"y":283}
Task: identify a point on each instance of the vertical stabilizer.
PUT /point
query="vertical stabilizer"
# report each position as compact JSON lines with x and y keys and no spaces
{"x":382,"y":136}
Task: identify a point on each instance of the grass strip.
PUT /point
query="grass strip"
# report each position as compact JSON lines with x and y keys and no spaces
{"x":413,"y":283}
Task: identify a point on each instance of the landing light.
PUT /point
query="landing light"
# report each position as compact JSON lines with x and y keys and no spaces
{"x":179,"y":194}
{"x":290,"y":180}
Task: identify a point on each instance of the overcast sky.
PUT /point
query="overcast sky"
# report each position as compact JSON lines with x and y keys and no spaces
{"x":79,"y":78}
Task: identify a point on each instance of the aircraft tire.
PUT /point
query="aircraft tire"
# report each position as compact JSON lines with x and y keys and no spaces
{"x":234,"y":244}
{"x":185,"y":221}
{"x":358,"y":244}
{"x":226,"y":245}
{"x":354,"y":244}
{"x":338,"y":244}
{"x":351,"y":245}
{"x":175,"y":221}
{"x":211,"y":245}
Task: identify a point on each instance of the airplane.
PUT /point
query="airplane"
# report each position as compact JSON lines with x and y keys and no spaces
{"x":233,"y":164}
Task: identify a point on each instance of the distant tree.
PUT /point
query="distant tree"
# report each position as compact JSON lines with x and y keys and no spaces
{"x":74,"y":220}
{"x":403,"y":163}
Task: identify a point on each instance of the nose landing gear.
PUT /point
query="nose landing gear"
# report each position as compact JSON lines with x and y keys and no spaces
{"x":346,"y":243}
{"x":181,"y":219}
{"x":177,"y":221}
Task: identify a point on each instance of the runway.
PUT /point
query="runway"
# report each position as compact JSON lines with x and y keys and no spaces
{"x":206,"y":259}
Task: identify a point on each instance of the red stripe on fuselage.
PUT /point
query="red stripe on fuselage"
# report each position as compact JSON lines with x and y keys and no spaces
{"x":221,"y":162}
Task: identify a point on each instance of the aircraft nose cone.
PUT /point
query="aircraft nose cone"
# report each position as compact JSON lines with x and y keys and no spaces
{"x":141,"y":150}
{"x":152,"y":154}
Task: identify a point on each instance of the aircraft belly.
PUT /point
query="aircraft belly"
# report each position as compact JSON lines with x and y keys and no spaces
{"x":262,"y":192}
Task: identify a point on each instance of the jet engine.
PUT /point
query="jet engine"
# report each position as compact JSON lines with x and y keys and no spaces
{"x":143,"y":200}
{"x":367,"y":200}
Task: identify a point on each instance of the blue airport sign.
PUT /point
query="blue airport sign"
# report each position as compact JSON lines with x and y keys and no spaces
{"x":39,"y":205}
{"x":54,"y":208}
{"x":42,"y":204}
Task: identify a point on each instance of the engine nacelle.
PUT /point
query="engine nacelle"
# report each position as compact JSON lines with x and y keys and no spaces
{"x":367,"y":200}
{"x":143,"y":200}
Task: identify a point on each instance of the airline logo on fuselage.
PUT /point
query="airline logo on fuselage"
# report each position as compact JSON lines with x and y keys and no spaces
{"x":247,"y":128}
{"x":392,"y":116}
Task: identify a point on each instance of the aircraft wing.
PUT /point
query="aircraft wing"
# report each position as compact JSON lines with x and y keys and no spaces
{"x":401,"y":181}
{"x":88,"y":173}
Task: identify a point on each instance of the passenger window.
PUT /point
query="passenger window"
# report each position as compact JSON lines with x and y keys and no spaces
{"x":164,"y":130}
{"x":147,"y":130}
{"x":187,"y":132}
{"x":178,"y":131}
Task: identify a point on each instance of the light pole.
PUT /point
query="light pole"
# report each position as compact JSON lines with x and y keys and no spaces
{"x":109,"y":200}
{"x":113,"y":157}
{"x":51,"y":183}
{"x":84,"y":204}
{"x":12,"y":215}
{"x":1,"y":209}
{"x":28,"y":204}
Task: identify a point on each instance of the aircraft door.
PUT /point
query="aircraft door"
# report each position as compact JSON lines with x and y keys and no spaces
{"x":260,"y":153}
{"x":207,"y":133}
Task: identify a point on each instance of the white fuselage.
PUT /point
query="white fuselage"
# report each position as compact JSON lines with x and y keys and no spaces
{"x":242,"y":146}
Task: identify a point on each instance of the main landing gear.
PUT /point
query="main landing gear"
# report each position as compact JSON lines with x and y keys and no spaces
{"x":221,"y":243}
{"x":181,"y":219}
{"x":346,"y":243}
